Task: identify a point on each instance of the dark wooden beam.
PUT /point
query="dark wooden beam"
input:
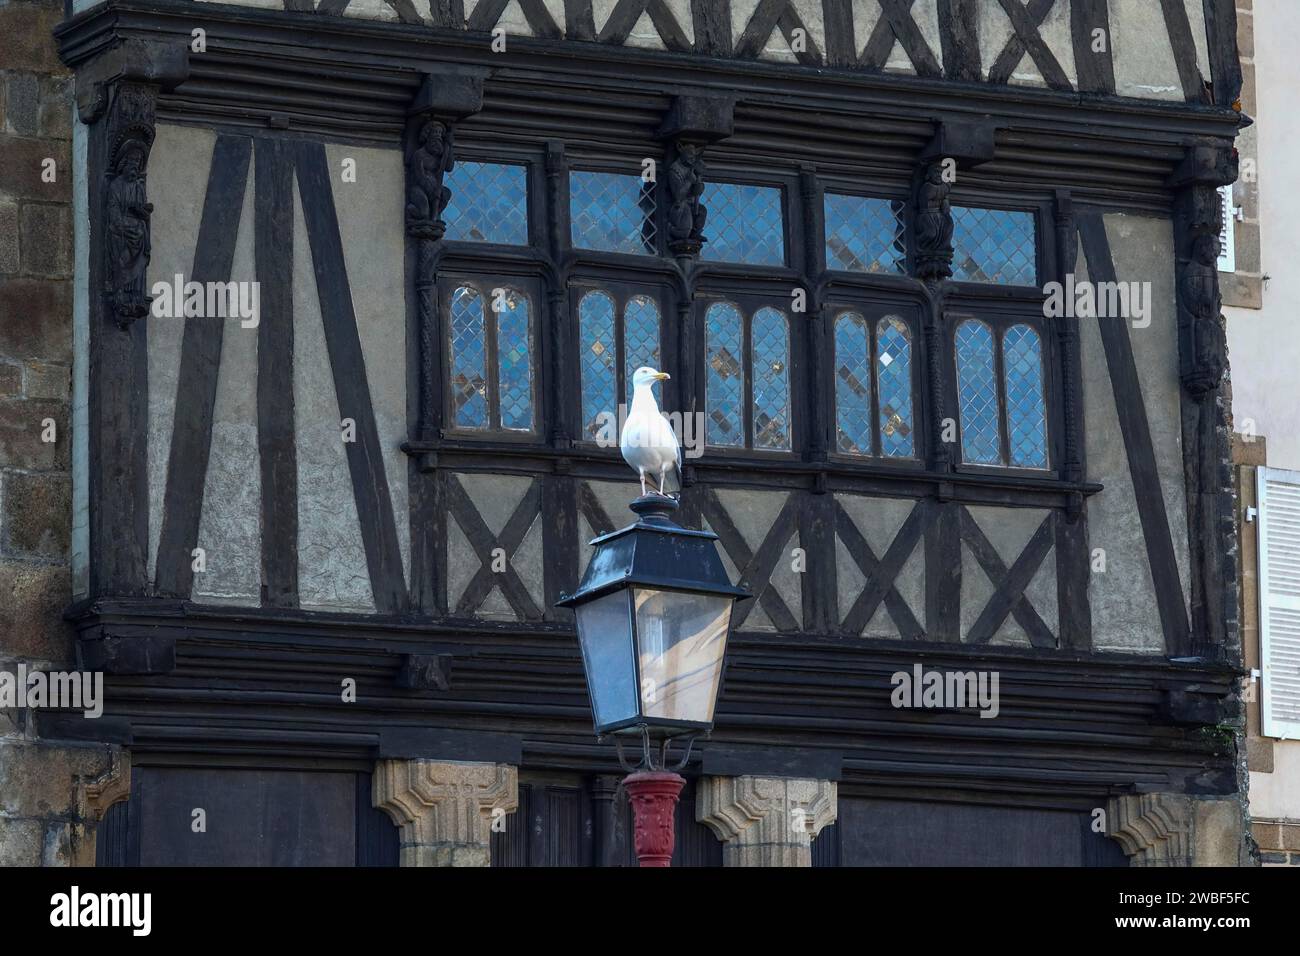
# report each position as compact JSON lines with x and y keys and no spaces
{"x":277,"y":451}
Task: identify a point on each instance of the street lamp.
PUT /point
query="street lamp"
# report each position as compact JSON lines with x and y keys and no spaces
{"x":654,"y":611}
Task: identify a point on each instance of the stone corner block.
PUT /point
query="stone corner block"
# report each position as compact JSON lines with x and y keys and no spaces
{"x":1170,"y":829}
{"x":766,"y":821}
{"x":445,"y":808}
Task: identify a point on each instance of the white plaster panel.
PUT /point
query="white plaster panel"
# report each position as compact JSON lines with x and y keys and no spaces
{"x":371,"y":220}
{"x":180,"y":155}
{"x":1124,"y":616}
{"x":1142,"y":52}
{"x":230,"y":522}
{"x":332,"y":571}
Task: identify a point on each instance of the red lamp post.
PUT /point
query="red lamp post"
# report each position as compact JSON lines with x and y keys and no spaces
{"x":654,"y":613}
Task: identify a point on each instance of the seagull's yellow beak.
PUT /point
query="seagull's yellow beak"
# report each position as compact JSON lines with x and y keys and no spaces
{"x":662,"y":376}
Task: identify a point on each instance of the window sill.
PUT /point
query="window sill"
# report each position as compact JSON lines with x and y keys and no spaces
{"x":772,"y":471}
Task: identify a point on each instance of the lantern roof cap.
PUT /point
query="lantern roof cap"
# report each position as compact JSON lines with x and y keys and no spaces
{"x":654,"y":552}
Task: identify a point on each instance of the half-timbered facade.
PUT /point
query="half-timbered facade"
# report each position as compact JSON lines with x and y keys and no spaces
{"x":317,"y":544}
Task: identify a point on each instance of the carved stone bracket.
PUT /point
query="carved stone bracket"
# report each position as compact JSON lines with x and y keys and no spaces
{"x":445,"y":809}
{"x":121,"y":88}
{"x":1174,"y":829}
{"x":766,"y":821}
{"x":692,"y":123}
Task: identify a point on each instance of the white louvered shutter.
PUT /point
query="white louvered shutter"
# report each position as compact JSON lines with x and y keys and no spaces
{"x":1279,"y":599}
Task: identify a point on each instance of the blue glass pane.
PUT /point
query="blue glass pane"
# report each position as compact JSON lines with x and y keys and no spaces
{"x":468,"y":360}
{"x":894,"y":382}
{"x":863,"y":235}
{"x":994,"y":245}
{"x":1022,"y":362}
{"x":599,"y":361}
{"x":640,"y":337}
{"x":771,"y":341}
{"x":724,"y":386}
{"x":611,"y":212}
{"x":514,"y":345}
{"x":852,"y":385}
{"x":744,"y":224}
{"x":489,"y":203}
{"x":977,"y":394}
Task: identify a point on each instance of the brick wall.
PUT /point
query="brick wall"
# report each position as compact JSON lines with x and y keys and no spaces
{"x":38,"y":820}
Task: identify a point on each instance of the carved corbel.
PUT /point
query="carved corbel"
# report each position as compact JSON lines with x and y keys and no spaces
{"x":692,"y":123}
{"x":120,"y":88}
{"x":1198,"y":224}
{"x":442,"y":100}
{"x":955,"y":146}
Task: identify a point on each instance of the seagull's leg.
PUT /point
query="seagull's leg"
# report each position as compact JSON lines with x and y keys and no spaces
{"x":642,"y":473}
{"x":663,"y":472}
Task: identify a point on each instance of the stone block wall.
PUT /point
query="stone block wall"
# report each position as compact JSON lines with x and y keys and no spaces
{"x":39,"y":822}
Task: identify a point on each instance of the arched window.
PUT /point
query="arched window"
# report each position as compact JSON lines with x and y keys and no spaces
{"x":490,"y":353}
{"x":873,"y":384}
{"x":1022,"y":362}
{"x":977,"y":394}
{"x":468,"y":359}
{"x":1000,"y":393}
{"x":609,"y":332}
{"x":771,"y":366}
{"x":725,"y":375}
{"x":747,"y":390}
{"x":852,"y":385}
{"x":894,"y":387}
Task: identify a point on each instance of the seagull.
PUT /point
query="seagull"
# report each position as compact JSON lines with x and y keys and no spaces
{"x":648,"y":442}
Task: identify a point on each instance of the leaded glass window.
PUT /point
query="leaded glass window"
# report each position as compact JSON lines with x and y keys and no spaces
{"x":745,"y":224}
{"x":1026,"y":409}
{"x":884,"y":397}
{"x":490,"y":358}
{"x":1001,"y":395}
{"x":864,"y":234}
{"x":611,"y":212}
{"x":469,"y":382}
{"x":747,"y":378}
{"x":725,"y":375}
{"x":771,"y":361}
{"x":852,"y":385}
{"x":894,"y":387}
{"x":609,"y":330}
{"x":994,"y":245}
{"x":489,"y":203}
{"x":977,"y":393}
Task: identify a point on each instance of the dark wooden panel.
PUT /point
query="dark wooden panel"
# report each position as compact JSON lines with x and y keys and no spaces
{"x":111,"y":836}
{"x":378,"y":838}
{"x":898,"y":833}
{"x":254,"y":817}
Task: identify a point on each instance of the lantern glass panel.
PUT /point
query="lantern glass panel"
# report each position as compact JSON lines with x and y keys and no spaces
{"x":605,"y":633}
{"x":681,"y":639}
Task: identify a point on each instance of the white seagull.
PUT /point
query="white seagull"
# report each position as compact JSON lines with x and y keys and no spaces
{"x":648,"y":442}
